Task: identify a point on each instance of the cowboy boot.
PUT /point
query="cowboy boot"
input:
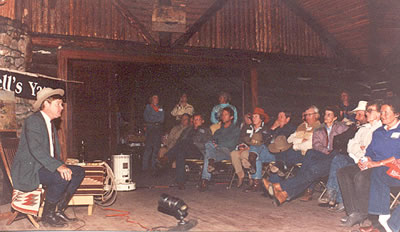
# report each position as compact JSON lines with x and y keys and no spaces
{"x":49,"y":218}
{"x":62,"y":206}
{"x":211,"y":165}
{"x":307,"y":196}
{"x":252,"y":161}
{"x":278,"y":194}
{"x":240,"y":179}
{"x":203,"y":185}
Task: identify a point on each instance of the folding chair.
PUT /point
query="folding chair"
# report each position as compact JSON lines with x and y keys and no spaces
{"x":395,"y":195}
{"x":26,"y":203}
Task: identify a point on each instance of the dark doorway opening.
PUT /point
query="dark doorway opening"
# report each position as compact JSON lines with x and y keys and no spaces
{"x":110,"y":88}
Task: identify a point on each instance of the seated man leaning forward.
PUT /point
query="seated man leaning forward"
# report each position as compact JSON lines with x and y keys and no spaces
{"x":38,"y":159}
{"x":219,"y":148}
{"x":248,"y":136}
{"x":316,"y":162}
{"x":258,"y":155}
{"x":190,"y":145}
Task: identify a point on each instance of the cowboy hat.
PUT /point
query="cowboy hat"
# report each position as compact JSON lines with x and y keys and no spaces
{"x":261,"y":112}
{"x":362,"y":105}
{"x":280,"y":144}
{"x":43,"y":94}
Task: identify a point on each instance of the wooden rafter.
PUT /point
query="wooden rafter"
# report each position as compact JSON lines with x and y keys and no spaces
{"x":183,"y":39}
{"x":134,"y":22}
{"x":324,"y":34}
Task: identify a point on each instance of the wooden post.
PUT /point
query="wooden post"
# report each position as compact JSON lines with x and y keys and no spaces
{"x":254,"y":86}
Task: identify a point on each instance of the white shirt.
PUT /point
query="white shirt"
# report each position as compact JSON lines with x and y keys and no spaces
{"x":48,"y":125}
{"x":363,"y":137}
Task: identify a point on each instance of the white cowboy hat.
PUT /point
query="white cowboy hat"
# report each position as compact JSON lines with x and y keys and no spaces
{"x":43,"y":94}
{"x":362,"y":105}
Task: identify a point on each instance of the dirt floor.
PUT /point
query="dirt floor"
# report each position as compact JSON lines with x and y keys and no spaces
{"x":218,"y":209}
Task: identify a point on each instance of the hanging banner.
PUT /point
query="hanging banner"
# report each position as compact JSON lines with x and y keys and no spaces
{"x":26,"y":85}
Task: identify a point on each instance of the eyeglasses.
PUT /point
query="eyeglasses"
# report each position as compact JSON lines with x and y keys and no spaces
{"x":310,"y":114}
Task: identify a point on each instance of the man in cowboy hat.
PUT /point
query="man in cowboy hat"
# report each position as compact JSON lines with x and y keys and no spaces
{"x":38,"y":159}
{"x":250,"y":135}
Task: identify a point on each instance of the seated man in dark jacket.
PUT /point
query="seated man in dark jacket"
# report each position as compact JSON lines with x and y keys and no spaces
{"x":38,"y":159}
{"x":189,"y":145}
{"x":219,"y":148}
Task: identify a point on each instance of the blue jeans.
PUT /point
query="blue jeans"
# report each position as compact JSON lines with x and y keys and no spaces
{"x":263,"y":156}
{"x":151,"y":147}
{"x":56,"y":186}
{"x":182,"y":150}
{"x":217,"y":153}
{"x":379,"y":192}
{"x":339,"y":161}
{"x":315,"y":165}
{"x":394,"y":220}
{"x":290,"y":157}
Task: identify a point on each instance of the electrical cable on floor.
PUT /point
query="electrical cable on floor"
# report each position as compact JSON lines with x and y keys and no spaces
{"x":125,"y":214}
{"x":80,"y":220}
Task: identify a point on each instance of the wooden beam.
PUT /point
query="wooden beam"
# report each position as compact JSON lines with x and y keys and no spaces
{"x":134,"y":22}
{"x":183,"y":39}
{"x":165,"y":37}
{"x":254,"y":86}
{"x":324,"y":34}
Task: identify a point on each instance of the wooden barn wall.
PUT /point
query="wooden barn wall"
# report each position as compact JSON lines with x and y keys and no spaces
{"x":260,"y":25}
{"x":89,"y":18}
{"x":347,"y":20}
{"x":388,"y":30}
{"x":7,"y":9}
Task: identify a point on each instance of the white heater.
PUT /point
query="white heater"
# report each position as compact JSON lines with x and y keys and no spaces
{"x":122,"y":172}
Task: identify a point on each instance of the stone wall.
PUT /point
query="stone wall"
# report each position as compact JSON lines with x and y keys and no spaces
{"x":15,"y":54}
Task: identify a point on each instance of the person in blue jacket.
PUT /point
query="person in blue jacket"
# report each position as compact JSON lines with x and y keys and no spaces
{"x":153,"y":117}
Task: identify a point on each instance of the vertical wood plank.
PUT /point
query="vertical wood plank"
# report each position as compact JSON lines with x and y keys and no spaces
{"x":254,"y":86}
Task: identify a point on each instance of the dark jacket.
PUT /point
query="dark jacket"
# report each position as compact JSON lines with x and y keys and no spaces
{"x":227,"y":137}
{"x":33,"y":153}
{"x":286,"y":130}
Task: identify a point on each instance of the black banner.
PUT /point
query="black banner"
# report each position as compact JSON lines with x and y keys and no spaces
{"x":26,"y":85}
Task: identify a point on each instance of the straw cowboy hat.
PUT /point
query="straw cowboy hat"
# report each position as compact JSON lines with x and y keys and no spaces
{"x":280,"y":144}
{"x":43,"y":94}
{"x":260,"y":112}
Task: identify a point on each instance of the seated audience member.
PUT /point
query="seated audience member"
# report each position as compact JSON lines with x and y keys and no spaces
{"x":316,"y":162}
{"x":355,"y":145}
{"x":302,"y":142}
{"x":219,"y":148}
{"x":174,"y":135}
{"x":224,"y":101}
{"x":383,"y":158}
{"x":251,"y":137}
{"x":261,"y":154}
{"x":183,"y":107}
{"x":301,"y":138}
{"x":190,"y":145}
